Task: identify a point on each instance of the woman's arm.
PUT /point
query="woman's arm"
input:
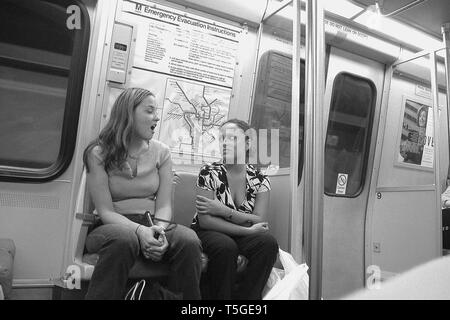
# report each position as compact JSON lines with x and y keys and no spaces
{"x":163,"y":204}
{"x":218,"y":224}
{"x":218,"y":209}
{"x":261,"y":208}
{"x":445,"y":198}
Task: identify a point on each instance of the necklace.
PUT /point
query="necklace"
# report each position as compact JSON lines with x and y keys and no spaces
{"x":133,"y":167}
{"x":135,"y":158}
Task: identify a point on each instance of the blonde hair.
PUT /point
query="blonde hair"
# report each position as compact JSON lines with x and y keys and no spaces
{"x":115,"y":137}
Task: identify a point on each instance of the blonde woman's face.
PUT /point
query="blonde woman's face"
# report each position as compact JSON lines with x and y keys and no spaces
{"x":145,"y":118}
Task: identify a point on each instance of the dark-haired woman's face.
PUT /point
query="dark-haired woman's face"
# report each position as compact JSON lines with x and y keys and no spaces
{"x":234,"y":144}
{"x":145,"y":118}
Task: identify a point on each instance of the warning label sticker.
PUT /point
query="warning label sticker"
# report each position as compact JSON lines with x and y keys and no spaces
{"x":341,"y":185}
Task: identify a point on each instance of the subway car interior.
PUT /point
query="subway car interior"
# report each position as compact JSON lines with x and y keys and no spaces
{"x":349,"y":98}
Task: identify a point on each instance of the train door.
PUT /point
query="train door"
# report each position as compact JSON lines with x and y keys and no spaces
{"x":354,"y":87}
{"x":403,"y":225}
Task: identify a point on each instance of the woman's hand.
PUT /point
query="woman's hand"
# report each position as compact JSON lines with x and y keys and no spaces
{"x":260,"y":227}
{"x":156,"y":253}
{"x":211,"y":207}
{"x":446,"y":203}
{"x":151,"y":247}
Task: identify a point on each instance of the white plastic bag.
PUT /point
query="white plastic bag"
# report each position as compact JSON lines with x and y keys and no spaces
{"x":275,"y":276}
{"x":293,"y":285}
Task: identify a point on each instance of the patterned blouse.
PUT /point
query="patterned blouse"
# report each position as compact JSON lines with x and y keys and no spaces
{"x":213,"y":177}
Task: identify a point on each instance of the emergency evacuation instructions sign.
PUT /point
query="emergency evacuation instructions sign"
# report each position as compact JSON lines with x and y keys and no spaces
{"x":182,"y":44}
{"x":341,"y":185}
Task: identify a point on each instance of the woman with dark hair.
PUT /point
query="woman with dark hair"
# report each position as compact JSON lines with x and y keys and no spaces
{"x":232,"y":208}
{"x":422,"y":117}
{"x":129,"y":173}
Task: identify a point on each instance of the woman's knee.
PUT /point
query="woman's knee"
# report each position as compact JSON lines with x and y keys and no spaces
{"x":223,"y":246}
{"x":118,"y":238}
{"x":269,"y":243}
{"x":187,"y":240}
{"x":128,"y":239}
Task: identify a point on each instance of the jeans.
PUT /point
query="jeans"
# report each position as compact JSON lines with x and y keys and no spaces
{"x":222,"y":250}
{"x":118,"y":248}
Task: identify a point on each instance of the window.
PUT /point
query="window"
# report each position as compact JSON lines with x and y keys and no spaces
{"x":272,"y":104}
{"x":348,"y":135}
{"x":42,"y":65}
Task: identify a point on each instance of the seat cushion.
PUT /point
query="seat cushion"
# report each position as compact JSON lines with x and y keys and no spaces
{"x":7,"y":252}
{"x":184,"y":193}
{"x":149,"y":269}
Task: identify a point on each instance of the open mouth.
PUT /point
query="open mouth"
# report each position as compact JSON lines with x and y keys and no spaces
{"x":153,"y":127}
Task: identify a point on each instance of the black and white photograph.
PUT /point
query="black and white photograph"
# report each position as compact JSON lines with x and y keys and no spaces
{"x":416,"y":145}
{"x":224,"y":158}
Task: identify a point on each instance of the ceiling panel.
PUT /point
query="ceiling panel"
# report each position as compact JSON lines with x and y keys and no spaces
{"x":428,"y":15}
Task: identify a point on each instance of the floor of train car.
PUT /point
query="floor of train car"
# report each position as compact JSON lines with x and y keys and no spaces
{"x":58,"y":293}
{"x":52,"y":293}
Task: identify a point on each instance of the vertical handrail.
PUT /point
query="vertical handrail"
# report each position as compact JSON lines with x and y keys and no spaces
{"x":314,"y":144}
{"x":295,"y":125}
{"x":446,"y":41}
{"x":436,"y":132}
{"x":255,"y":70}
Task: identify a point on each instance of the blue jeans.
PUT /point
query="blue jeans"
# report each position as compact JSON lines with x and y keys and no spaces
{"x":118,"y":248}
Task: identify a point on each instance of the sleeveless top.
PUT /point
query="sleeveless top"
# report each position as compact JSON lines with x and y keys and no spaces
{"x":136,"y":194}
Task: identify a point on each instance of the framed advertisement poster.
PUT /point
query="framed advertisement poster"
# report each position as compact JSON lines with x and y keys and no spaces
{"x":415,"y":144}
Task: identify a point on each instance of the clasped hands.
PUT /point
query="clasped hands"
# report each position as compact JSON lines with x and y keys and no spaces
{"x":216,"y":208}
{"x":152,"y":247}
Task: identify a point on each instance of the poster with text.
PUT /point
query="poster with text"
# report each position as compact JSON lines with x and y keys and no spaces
{"x":416,"y":142}
{"x":183,"y":44}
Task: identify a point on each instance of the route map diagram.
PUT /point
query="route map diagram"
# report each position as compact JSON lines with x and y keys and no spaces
{"x":192,"y":115}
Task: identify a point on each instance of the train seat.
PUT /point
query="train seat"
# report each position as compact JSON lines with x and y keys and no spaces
{"x":183,"y":205}
{"x":7,"y":253}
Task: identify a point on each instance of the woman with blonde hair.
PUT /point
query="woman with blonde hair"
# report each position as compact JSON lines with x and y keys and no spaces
{"x":129,"y":173}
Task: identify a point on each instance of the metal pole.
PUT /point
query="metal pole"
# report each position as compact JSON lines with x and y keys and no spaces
{"x":446,"y":41}
{"x":436,"y":131}
{"x":279,"y":7}
{"x":295,"y":129}
{"x":314,"y":144}
{"x":255,"y":70}
{"x":404,"y":8}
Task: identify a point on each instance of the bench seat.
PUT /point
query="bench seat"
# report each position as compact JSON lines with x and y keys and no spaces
{"x":148,"y":269}
{"x":183,"y":200}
